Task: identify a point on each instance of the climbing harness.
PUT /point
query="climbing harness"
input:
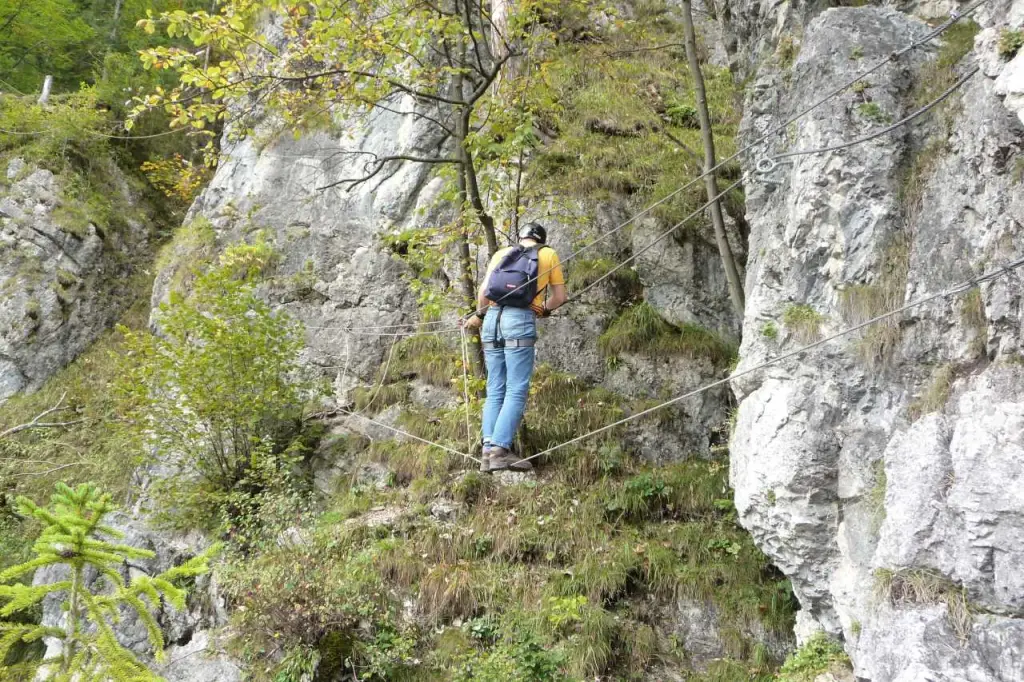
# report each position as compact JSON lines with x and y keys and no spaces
{"x":499,"y":344}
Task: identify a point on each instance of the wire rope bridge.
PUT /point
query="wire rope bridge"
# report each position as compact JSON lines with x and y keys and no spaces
{"x":762,"y":166}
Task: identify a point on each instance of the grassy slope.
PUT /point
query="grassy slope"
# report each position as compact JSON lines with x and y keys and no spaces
{"x":578,"y":570}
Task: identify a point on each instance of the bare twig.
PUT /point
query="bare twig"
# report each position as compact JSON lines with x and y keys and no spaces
{"x":48,"y":471}
{"x":38,"y":423}
{"x":377,"y":166}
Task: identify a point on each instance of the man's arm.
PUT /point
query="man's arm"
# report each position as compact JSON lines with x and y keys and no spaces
{"x":557,"y":298}
{"x":557,"y":293}
{"x":482,"y":302}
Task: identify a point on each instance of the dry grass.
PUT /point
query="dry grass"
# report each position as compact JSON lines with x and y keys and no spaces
{"x":860,"y":303}
{"x":927,"y":586}
{"x":449,"y":591}
{"x":937,"y":393}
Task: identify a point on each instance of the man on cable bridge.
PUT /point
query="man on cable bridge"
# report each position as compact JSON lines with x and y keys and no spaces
{"x":514,"y":293}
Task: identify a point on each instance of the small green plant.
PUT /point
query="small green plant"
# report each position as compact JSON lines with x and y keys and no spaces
{"x":683,"y":115}
{"x":860,"y":87}
{"x":1010,"y":42}
{"x":873,"y":112}
{"x":75,"y":536}
{"x":803,"y":321}
{"x":787,"y":51}
{"x":770,"y":330}
{"x":819,"y":654}
{"x":857,"y":53}
{"x":561,"y":612}
{"x":855,"y":628}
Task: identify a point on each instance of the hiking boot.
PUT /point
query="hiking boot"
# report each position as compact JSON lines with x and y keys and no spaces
{"x":485,"y":459}
{"x":502,"y":459}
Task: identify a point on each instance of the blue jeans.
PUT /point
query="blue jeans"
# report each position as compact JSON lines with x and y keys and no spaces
{"x":508,"y":373}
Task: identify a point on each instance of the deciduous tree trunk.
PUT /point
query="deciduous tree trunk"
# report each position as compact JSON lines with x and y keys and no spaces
{"x":465,"y":257}
{"x":710,"y":181}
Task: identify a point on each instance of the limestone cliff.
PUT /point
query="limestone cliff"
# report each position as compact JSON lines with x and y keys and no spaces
{"x":879,"y":471}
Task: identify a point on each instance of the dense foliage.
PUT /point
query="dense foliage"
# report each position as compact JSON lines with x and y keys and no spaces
{"x":219,"y":391}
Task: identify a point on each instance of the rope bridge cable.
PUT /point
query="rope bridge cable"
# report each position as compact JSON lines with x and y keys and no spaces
{"x":404,"y":325}
{"x":768,"y":164}
{"x":955,"y":289}
{"x":770,"y":133}
{"x":393,"y":429}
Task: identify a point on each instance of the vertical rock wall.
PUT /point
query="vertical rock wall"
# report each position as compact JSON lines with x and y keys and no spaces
{"x":880,"y":471}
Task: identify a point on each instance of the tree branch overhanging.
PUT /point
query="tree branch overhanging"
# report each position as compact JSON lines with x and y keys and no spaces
{"x":377,"y":166}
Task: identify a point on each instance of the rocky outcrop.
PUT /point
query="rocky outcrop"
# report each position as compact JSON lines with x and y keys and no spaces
{"x":64,"y":278}
{"x":878,"y":471}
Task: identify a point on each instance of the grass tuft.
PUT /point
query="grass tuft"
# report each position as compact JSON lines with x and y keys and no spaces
{"x":804,"y":322}
{"x":640,"y":329}
{"x":926,"y":586}
{"x":860,"y":303}
{"x":1010,"y":43}
{"x":585,"y":272}
{"x":940,"y":74}
{"x":873,"y":112}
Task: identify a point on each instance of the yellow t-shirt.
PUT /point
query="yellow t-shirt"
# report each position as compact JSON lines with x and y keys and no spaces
{"x":549,"y":270}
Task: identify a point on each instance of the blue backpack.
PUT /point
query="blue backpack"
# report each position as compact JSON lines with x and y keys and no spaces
{"x":513,"y":282}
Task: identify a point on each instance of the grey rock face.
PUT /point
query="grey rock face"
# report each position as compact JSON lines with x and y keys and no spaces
{"x":328,"y":238}
{"x":879,"y":471}
{"x":60,"y":286}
